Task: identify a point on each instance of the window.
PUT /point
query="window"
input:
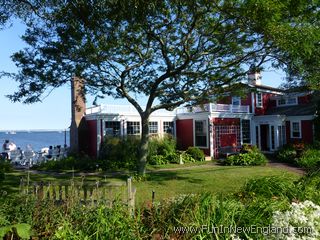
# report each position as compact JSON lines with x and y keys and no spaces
{"x":153,"y":127}
{"x":257,"y":136}
{"x":245,"y":127}
{"x":259,"y":99}
{"x":201,"y":131}
{"x":291,"y":101}
{"x":112,"y":128}
{"x":282,"y":135}
{"x":287,"y":101}
{"x":236,"y":101}
{"x":272,"y":138}
{"x":295,"y":130}
{"x":133,"y":128}
{"x":281,"y":102}
{"x":168,"y":127}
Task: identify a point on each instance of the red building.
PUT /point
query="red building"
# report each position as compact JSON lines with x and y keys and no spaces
{"x":267,"y":117}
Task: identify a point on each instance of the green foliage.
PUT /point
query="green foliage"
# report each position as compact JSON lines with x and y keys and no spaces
{"x":310,"y":159}
{"x":249,"y":156}
{"x":270,"y":187}
{"x":308,"y":187}
{"x":287,"y":154}
{"x":119,"y":153}
{"x":162,"y":151}
{"x":5,"y":166}
{"x":80,"y":162}
{"x":21,"y":230}
{"x":254,"y":205}
{"x":196,"y":153}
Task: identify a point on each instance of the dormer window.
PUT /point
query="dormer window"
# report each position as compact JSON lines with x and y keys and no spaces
{"x":259,"y":99}
{"x":287,"y":101}
{"x":236,"y":101}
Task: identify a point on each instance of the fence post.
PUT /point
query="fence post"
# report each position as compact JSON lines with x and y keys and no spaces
{"x":21,"y":187}
{"x":131,"y":196}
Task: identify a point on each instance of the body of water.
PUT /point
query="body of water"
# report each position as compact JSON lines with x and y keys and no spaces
{"x":35,"y":139}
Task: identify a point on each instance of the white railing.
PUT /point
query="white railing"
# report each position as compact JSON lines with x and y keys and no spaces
{"x":122,"y":110}
{"x":212,"y":107}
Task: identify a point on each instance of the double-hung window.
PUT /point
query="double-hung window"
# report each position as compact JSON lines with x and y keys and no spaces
{"x":296,"y":129}
{"x":112,"y":128}
{"x":133,"y":128}
{"x":259,"y":99}
{"x":153,"y":127}
{"x":168,"y":127}
{"x":201,"y":133}
{"x":246,"y":133}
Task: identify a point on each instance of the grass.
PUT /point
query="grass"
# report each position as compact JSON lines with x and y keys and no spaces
{"x":168,"y":183}
{"x":217,"y":179}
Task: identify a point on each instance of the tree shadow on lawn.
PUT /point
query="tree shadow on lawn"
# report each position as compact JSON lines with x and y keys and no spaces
{"x":161,"y":177}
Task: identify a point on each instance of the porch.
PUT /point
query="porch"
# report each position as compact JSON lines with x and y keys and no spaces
{"x":213,"y":107}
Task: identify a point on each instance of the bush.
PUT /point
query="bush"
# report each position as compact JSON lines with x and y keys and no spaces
{"x":308,"y":187}
{"x":79,"y":162}
{"x":310,"y":159}
{"x":5,"y":166}
{"x":119,"y":153}
{"x":196,"y":153}
{"x":287,"y":154}
{"x":270,"y":187}
{"x":162,"y":151}
{"x":253,"y":157}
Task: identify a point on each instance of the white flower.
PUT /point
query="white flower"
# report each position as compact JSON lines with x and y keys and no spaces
{"x":302,"y":221}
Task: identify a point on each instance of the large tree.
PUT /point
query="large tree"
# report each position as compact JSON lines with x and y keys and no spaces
{"x":171,"y":52}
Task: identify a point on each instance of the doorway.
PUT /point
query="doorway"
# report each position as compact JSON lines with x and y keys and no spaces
{"x":264,"y":136}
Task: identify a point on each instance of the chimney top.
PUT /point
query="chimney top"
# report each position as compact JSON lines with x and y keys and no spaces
{"x":254,"y":75}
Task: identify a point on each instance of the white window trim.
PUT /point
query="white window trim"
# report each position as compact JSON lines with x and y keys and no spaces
{"x":194,"y":133}
{"x":257,"y":104}
{"x":291,"y":129}
{"x":286,"y":102}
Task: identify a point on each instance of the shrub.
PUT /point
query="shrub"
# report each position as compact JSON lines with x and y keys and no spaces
{"x":253,"y":157}
{"x":162,"y":151}
{"x":119,"y":153}
{"x":270,"y":187}
{"x":308,"y":187}
{"x":80,"y":162}
{"x":196,"y":153}
{"x":310,"y":159}
{"x":287,"y":154}
{"x":5,"y":166}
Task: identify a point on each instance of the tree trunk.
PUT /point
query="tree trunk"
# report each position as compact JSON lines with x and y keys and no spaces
{"x":143,"y":148}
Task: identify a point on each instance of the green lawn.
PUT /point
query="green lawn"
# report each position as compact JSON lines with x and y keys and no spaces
{"x":169,"y":183}
{"x":215,"y":179}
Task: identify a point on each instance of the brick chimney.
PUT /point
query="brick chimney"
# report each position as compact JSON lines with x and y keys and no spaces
{"x":254,"y":76}
{"x":78,"y":108}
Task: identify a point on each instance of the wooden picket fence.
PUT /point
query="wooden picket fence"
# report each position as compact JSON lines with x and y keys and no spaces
{"x":86,"y":193}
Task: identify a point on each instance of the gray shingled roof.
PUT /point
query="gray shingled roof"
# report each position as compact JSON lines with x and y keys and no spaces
{"x":298,"y":110}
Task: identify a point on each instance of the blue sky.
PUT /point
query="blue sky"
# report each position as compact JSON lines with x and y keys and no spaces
{"x":54,"y":111}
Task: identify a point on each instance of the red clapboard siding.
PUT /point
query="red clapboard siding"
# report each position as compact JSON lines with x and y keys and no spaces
{"x":184,"y":133}
{"x":92,"y":126}
{"x":307,"y":131}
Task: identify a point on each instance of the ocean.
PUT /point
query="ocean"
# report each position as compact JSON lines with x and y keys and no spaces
{"x":35,"y":139}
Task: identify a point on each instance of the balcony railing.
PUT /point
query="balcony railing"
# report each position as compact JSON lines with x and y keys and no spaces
{"x":212,"y":107}
{"x":130,"y":110}
{"x":122,"y":110}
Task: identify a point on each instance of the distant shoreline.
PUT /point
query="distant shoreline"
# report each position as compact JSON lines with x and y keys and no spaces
{"x":35,"y":130}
